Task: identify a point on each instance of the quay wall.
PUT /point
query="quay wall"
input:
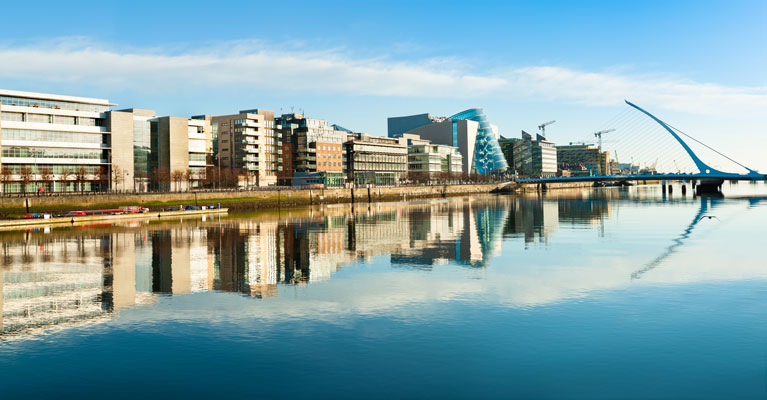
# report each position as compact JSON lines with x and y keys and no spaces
{"x":237,"y":199}
{"x":534,"y":187}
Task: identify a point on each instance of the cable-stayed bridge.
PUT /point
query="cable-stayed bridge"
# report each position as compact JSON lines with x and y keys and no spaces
{"x":643,"y":138}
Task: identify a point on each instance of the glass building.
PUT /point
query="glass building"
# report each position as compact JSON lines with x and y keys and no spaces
{"x":488,"y":156}
{"x":469,"y":131}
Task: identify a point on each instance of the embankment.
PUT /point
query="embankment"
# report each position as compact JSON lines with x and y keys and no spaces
{"x":242,"y":200}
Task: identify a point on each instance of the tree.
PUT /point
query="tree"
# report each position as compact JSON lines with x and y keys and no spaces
{"x":81,"y":176}
{"x":25,"y":176}
{"x":140,"y":177}
{"x":5,"y":176}
{"x":189,"y":177}
{"x":211,"y":177}
{"x":102,"y":176}
{"x":48,"y":178}
{"x":177,"y":176}
{"x":117,"y":176}
{"x":161,"y":178}
{"x":70,"y":174}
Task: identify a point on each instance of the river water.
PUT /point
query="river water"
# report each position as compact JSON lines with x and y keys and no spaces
{"x":604,"y":293}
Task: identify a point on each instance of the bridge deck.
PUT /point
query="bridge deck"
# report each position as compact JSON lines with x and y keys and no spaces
{"x":656,"y":177}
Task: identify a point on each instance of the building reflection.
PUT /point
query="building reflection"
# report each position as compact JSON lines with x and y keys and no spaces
{"x":73,"y":276}
{"x":535,"y":217}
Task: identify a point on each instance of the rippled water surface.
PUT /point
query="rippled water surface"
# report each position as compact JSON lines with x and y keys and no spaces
{"x":607,"y":293}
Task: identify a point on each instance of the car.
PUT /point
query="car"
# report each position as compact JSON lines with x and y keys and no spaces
{"x":32,"y":215}
{"x":193,"y":208}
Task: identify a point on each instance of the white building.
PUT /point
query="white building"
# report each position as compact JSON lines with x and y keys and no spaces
{"x":53,"y":142}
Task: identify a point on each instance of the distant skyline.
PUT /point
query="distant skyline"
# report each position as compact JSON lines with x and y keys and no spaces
{"x":696,"y":64}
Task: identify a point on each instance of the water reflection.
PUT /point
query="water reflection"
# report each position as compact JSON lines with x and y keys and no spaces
{"x":73,"y":276}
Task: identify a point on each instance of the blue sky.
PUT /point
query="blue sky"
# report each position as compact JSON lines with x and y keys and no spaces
{"x":697,"y":64}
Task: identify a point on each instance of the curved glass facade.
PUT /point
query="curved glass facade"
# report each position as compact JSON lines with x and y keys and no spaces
{"x":488,"y":156}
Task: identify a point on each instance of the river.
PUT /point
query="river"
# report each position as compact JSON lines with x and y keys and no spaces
{"x":585,"y":293}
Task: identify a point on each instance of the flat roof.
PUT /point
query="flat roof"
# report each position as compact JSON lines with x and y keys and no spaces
{"x":56,"y":97}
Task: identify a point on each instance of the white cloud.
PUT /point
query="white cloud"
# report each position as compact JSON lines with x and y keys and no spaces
{"x":255,"y":66}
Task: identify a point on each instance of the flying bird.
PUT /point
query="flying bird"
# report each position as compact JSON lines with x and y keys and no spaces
{"x":709,"y":217}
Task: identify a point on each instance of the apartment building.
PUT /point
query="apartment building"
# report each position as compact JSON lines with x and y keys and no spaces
{"x":251,"y":144}
{"x":53,"y":143}
{"x":317,"y":150}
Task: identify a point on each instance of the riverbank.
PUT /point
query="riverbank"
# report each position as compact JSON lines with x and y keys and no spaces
{"x":243,"y":200}
{"x":36,"y":222}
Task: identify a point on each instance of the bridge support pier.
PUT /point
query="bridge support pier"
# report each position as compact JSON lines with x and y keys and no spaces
{"x":663,"y":187}
{"x":670,"y":189}
{"x":709,"y":186}
{"x":684,"y":190}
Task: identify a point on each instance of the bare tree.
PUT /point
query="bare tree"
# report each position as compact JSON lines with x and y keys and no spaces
{"x":81,"y":176}
{"x":162,"y":178}
{"x":102,"y":176}
{"x":117,"y":176}
{"x":211,"y":177}
{"x":177,"y":176}
{"x":25,"y":176}
{"x":48,"y":178}
{"x":5,"y":176}
{"x":70,"y":175}
{"x":140,"y":177}
{"x":189,"y":177}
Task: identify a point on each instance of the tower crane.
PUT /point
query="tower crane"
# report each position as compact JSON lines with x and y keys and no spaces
{"x":543,"y":126}
{"x":599,"y":135}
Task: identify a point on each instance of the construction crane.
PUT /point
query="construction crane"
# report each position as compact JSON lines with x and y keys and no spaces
{"x":543,"y":126}
{"x":599,"y":135}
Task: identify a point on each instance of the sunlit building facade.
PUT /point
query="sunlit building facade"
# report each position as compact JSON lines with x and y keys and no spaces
{"x":54,"y":143}
{"x":251,"y":144}
{"x":469,"y":131}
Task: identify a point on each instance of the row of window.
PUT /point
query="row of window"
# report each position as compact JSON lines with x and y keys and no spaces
{"x":15,"y":169}
{"x":62,"y":105}
{"x":53,"y":136}
{"x":50,"y":119}
{"x":45,"y":152}
{"x":197,"y":156}
{"x":379,"y":167}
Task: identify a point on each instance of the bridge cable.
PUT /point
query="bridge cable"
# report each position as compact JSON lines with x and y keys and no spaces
{"x":710,"y":148}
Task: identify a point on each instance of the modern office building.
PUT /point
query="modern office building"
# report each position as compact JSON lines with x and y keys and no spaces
{"x":249,"y":144}
{"x":168,"y":153}
{"x":54,"y":143}
{"x":587,"y":156}
{"x":469,"y":131}
{"x":425,"y":157}
{"x":317,"y":150}
{"x":373,"y":160}
{"x":532,"y":157}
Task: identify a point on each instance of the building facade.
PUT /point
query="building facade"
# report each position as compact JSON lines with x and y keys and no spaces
{"x":373,"y":160}
{"x":317,"y":149}
{"x":54,"y":143}
{"x":249,"y":144}
{"x":587,"y":156}
{"x":469,"y":131}
{"x":168,"y":153}
{"x":530,"y":158}
{"x":434,"y":160}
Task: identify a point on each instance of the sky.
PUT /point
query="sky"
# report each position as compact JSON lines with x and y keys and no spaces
{"x":699,"y":65}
